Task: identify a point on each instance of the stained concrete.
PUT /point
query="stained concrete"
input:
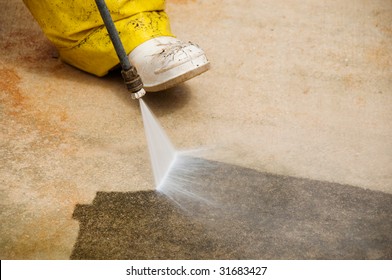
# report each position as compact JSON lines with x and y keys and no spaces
{"x":297,"y":88}
{"x":222,"y":211}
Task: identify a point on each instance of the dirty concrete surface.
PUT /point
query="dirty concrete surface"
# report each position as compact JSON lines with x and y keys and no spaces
{"x":297,"y":88}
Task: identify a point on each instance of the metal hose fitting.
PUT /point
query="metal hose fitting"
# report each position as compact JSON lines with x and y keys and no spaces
{"x":133,"y":82}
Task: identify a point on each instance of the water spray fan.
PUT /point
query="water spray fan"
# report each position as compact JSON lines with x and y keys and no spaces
{"x":129,"y":73}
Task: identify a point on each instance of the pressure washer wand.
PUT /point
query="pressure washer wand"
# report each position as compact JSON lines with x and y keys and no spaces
{"x":129,"y":73}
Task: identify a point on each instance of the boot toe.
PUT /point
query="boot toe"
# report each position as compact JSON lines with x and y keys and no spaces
{"x":166,"y":61}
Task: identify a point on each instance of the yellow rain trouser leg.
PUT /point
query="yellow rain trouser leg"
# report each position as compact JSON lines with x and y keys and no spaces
{"x":76,"y":28}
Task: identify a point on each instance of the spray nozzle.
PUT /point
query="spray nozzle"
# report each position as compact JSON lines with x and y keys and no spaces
{"x":133,"y":82}
{"x":139,"y":94}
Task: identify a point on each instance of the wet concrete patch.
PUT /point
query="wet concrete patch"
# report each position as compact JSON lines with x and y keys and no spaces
{"x":212,"y":210}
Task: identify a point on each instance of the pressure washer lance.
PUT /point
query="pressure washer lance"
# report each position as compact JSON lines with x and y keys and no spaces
{"x":129,"y":73}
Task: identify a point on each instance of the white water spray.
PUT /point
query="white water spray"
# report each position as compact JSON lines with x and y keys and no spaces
{"x":176,"y":173}
{"x":162,"y":151}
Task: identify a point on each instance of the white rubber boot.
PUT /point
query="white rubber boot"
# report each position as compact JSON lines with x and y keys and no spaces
{"x":164,"y":62}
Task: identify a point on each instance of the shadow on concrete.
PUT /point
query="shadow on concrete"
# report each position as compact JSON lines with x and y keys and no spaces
{"x":162,"y":103}
{"x":212,"y":210}
{"x":170,"y":100}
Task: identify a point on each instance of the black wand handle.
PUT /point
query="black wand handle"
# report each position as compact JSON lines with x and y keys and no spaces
{"x":113,"y":34}
{"x":131,"y":77}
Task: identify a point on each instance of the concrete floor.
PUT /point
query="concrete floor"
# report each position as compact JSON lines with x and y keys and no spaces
{"x":297,"y":88}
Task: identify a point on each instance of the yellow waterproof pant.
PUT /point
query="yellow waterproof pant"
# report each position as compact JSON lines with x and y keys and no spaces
{"x":76,"y":28}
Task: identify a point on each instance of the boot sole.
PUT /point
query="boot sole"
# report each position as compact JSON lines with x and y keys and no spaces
{"x":180,"y":78}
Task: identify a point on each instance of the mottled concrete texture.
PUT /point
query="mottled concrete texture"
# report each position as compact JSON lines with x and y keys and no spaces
{"x":300,"y":89}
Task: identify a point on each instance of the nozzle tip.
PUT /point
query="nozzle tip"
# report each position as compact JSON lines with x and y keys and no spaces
{"x":139,"y":94}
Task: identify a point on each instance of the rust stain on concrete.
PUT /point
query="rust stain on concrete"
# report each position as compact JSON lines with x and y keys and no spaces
{"x":36,"y":48}
{"x":9,"y":85}
{"x":383,"y":20}
{"x":381,"y":55}
{"x":50,"y":122}
{"x":42,"y":238}
{"x":350,"y":81}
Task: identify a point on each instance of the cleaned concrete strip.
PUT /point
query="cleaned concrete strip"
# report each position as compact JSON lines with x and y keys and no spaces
{"x":222,"y":211}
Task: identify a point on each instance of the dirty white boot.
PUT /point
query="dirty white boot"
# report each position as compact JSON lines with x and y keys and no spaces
{"x":163,"y":62}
